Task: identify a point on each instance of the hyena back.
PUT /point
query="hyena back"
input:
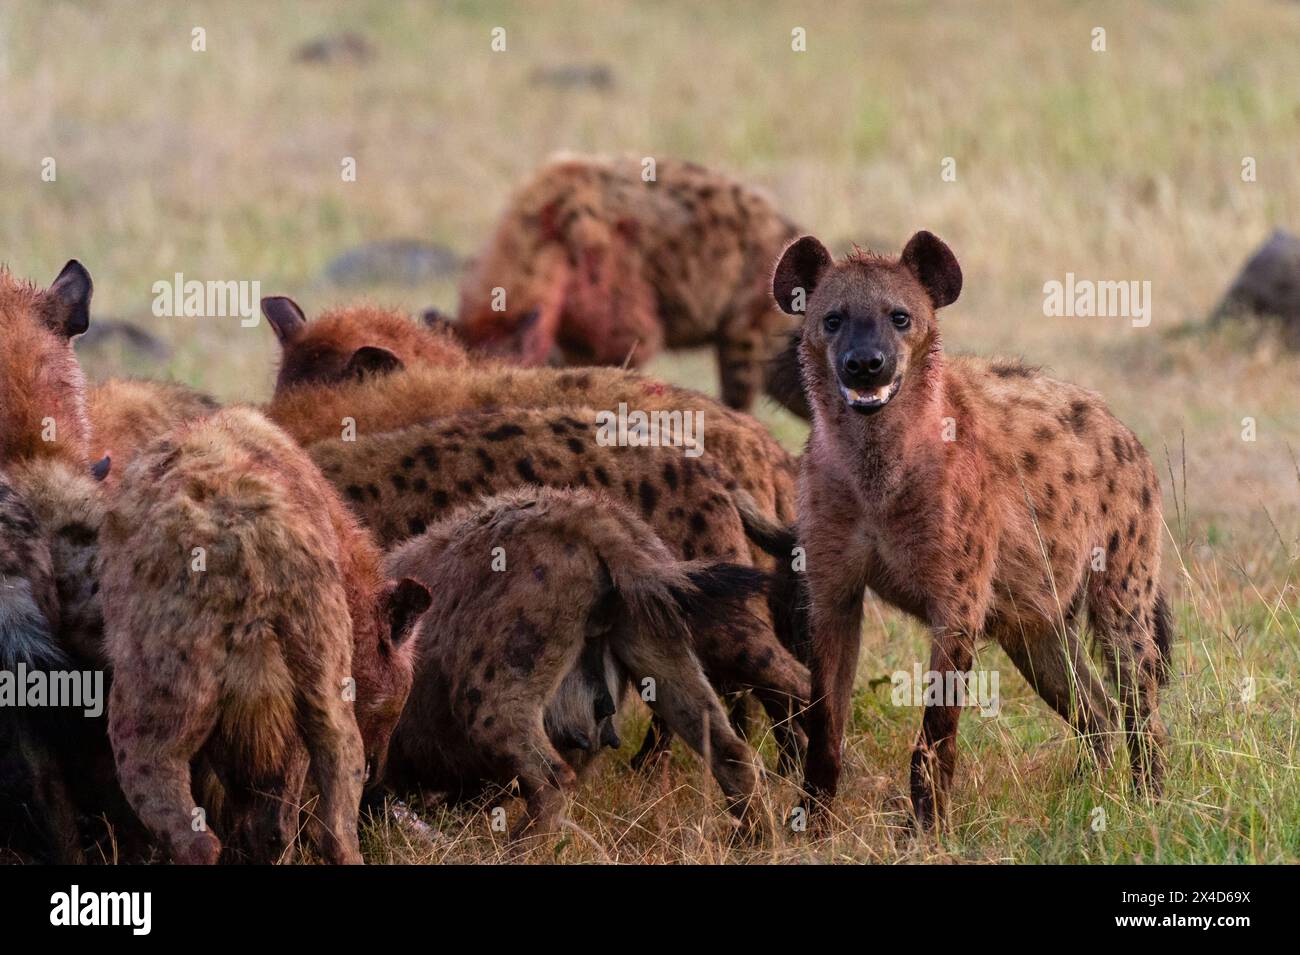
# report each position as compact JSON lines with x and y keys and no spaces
{"x":241,"y":604}
{"x":497,"y":645}
{"x":979,"y":496}
{"x":312,"y":403}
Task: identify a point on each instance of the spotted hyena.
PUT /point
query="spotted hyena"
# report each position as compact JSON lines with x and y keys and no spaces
{"x":312,"y":402}
{"x":50,"y":518}
{"x":982,"y":497}
{"x":126,"y":414}
{"x":245,"y":612}
{"x":42,"y":388}
{"x":596,"y":262}
{"x":400,"y":482}
{"x":498,"y":642}
{"x":37,"y":816}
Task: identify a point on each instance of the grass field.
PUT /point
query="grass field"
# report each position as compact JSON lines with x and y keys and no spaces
{"x":1120,"y":165}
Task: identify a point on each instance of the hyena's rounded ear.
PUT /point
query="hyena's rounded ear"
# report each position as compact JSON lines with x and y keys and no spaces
{"x":438,"y":320}
{"x":928,"y":258}
{"x":69,"y":300}
{"x":404,"y":601}
{"x":286,"y":318}
{"x":801,"y":267}
{"x":371,"y":360}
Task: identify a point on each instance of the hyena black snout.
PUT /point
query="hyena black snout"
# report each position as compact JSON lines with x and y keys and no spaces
{"x":866,"y":360}
{"x":609,"y":735}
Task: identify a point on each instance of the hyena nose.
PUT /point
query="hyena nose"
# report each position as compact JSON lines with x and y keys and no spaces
{"x":863,"y":364}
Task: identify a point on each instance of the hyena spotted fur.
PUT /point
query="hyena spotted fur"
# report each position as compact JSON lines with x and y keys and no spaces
{"x":599,"y":265}
{"x":42,"y":388}
{"x":245,"y":661}
{"x":400,"y":482}
{"x":982,"y":497}
{"x":312,"y":405}
{"x":496,"y":647}
{"x":50,"y":519}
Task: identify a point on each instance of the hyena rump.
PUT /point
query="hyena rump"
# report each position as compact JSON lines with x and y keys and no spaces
{"x":595,"y":263}
{"x":979,"y":496}
{"x":244,"y":612}
{"x":400,"y":482}
{"x":496,"y":645}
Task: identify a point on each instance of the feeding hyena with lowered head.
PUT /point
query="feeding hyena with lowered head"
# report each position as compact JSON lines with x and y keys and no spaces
{"x":982,"y":497}
{"x":603,"y":261}
{"x":401,"y":481}
{"x":582,"y":575}
{"x":250,"y":629}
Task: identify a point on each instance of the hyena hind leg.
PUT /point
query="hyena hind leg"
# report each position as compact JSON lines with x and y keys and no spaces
{"x":333,"y":742}
{"x":544,"y":778}
{"x":153,"y":753}
{"x":1129,"y":628}
{"x":688,"y":706}
{"x":1057,"y":666}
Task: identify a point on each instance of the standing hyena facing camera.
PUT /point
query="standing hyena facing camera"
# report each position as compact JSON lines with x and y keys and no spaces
{"x":250,"y":629}
{"x":596,"y":263}
{"x":981,"y":497}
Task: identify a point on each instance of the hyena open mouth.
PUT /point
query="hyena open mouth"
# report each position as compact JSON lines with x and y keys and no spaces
{"x":868,"y":402}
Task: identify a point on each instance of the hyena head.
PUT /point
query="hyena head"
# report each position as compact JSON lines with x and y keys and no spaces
{"x":868,"y":320}
{"x":580,"y":717}
{"x":383,"y":664}
{"x":42,"y":389}
{"x":510,"y":305}
{"x":351,"y":343}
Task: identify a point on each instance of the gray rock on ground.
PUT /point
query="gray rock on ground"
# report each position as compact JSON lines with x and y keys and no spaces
{"x":1268,"y":286}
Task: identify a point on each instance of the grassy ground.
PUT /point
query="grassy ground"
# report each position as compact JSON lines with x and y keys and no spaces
{"x":1123,"y":164}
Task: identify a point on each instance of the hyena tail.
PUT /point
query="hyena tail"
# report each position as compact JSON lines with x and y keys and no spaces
{"x":26,"y":636}
{"x":1164,"y":636}
{"x":787,"y":596}
{"x":771,"y":537}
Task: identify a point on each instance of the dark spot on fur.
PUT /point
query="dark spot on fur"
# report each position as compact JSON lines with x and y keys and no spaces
{"x":525,"y":468}
{"x":503,"y":432}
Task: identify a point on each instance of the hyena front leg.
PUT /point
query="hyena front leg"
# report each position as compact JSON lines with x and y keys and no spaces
{"x":333,"y":742}
{"x":934,"y":757}
{"x":836,"y":639}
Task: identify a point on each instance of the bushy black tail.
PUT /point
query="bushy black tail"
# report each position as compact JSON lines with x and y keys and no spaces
{"x":1164,"y":637}
{"x":717,"y":595}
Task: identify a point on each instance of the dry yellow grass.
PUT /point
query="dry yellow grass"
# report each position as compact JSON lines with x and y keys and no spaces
{"x":1117,"y":165}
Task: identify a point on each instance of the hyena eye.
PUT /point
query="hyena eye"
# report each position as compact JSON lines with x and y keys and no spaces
{"x":900,"y":318}
{"x":832,"y":322}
